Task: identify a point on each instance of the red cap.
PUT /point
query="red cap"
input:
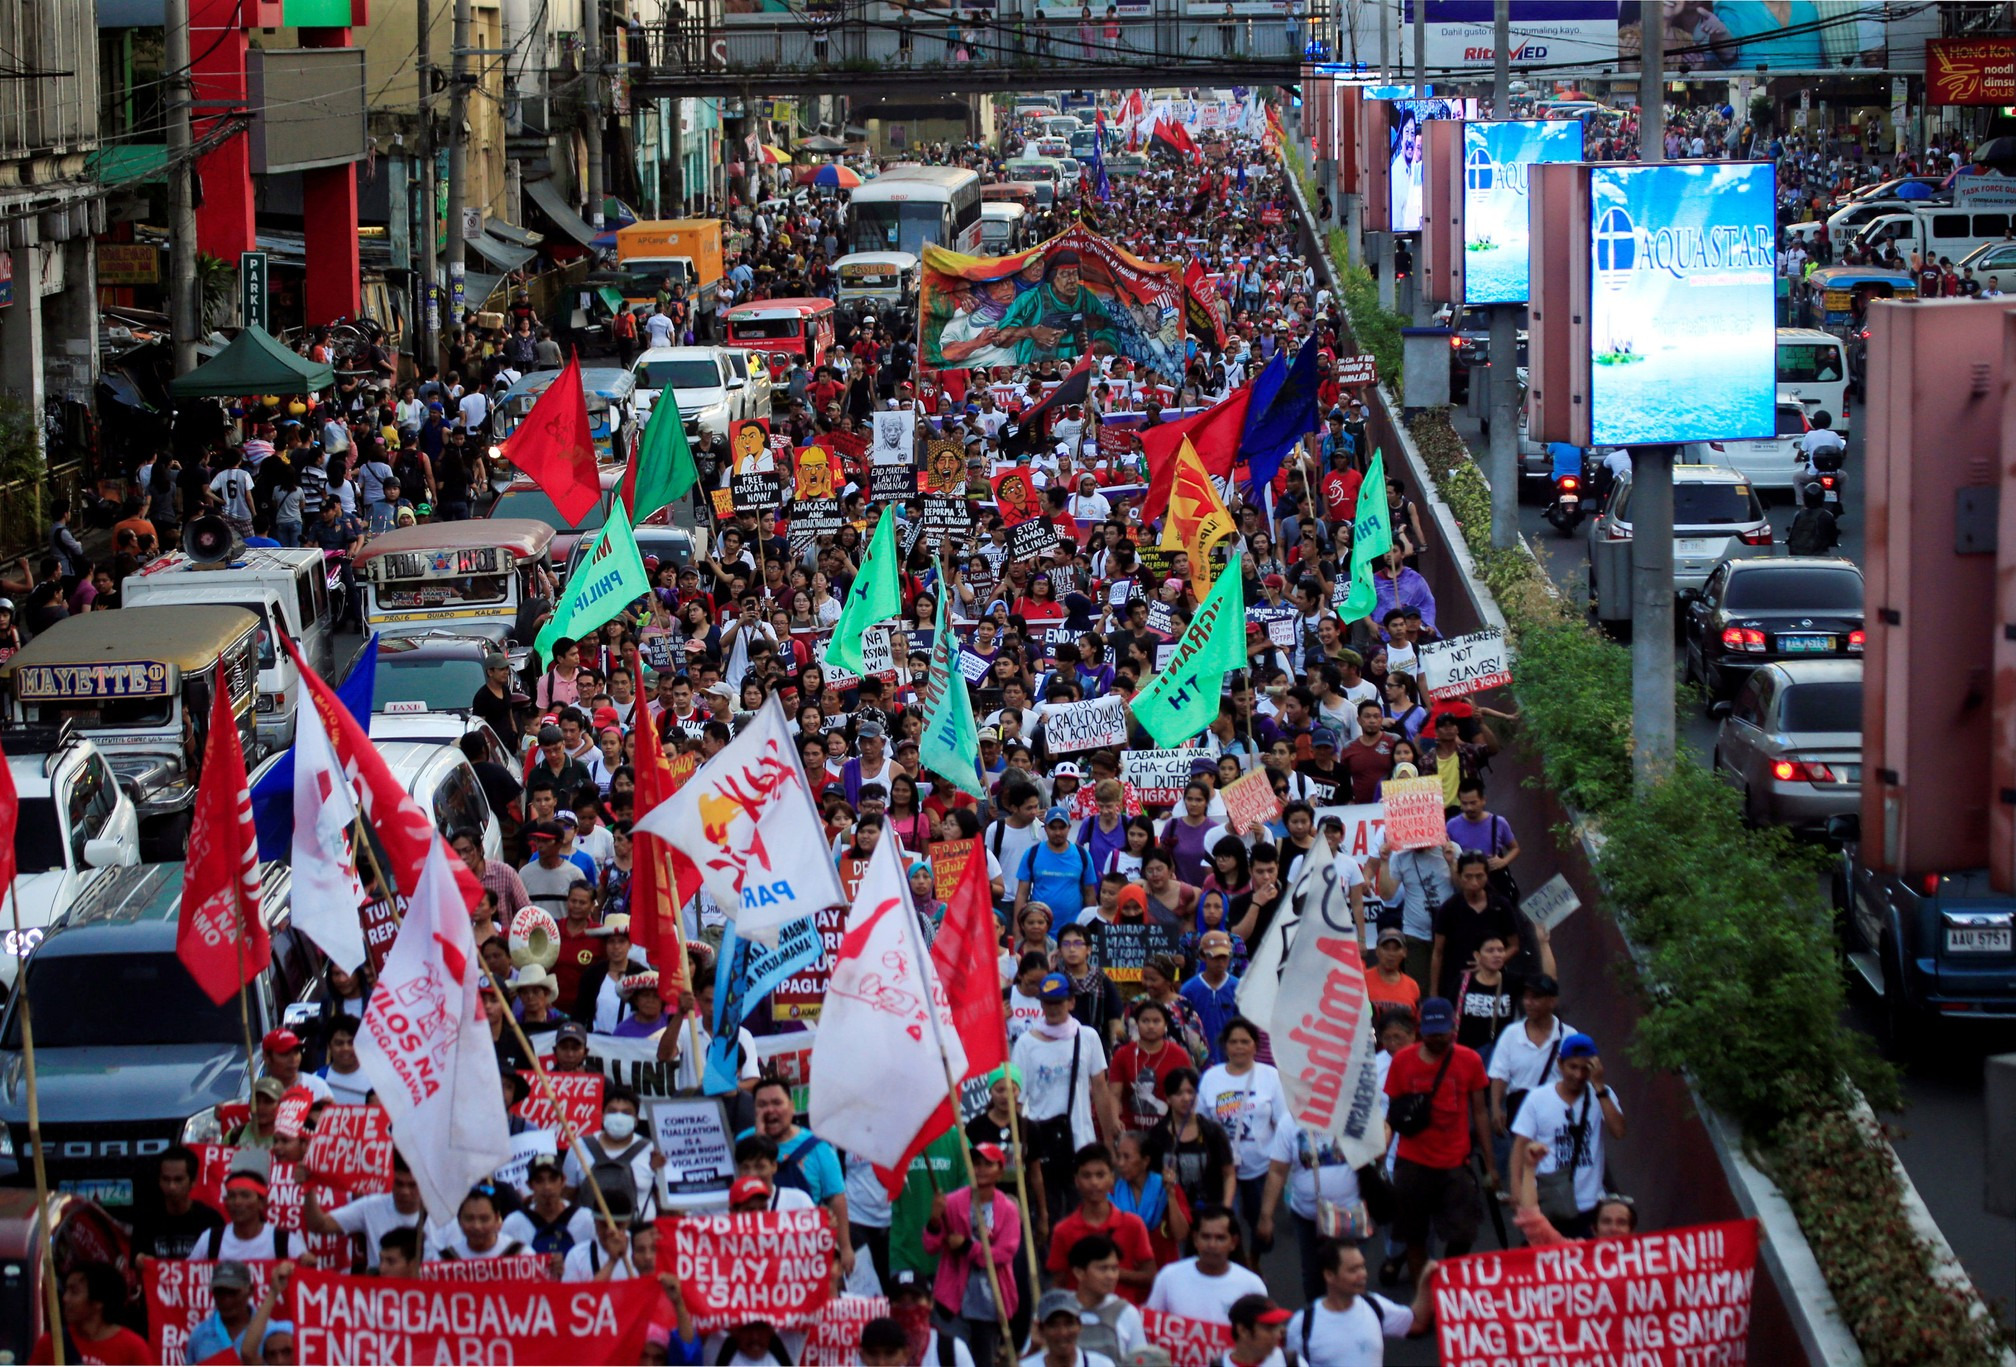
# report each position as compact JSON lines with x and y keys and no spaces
{"x":747,"y":1189}
{"x":993,"y":1153}
{"x":1274,"y":1315}
{"x":281,"y":1042}
{"x":606,"y":718}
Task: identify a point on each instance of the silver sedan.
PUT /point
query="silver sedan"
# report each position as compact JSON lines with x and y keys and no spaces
{"x":1791,"y":742}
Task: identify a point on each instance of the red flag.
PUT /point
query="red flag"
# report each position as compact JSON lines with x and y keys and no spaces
{"x":1215,"y":433}
{"x":10,"y":817}
{"x":966,"y":956}
{"x":221,"y":936}
{"x":552,"y":445}
{"x":654,"y":903}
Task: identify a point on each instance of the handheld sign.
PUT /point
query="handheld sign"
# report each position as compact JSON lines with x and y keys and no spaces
{"x":1464,"y":664}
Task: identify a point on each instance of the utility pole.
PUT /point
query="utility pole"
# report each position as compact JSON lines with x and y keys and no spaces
{"x":183,"y":318}
{"x":1378,"y":241}
{"x":458,"y":139}
{"x":1420,"y":93}
{"x":591,"y":108}
{"x":1503,"y":455}
{"x":1652,"y":700}
{"x":427,"y":341}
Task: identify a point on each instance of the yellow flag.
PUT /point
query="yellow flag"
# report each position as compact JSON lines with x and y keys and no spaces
{"x":1198,"y":518}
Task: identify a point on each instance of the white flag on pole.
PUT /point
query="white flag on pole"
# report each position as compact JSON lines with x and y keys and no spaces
{"x":426,"y":1047}
{"x":326,"y":891}
{"x":885,"y":1030}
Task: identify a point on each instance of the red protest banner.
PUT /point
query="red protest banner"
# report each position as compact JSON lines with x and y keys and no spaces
{"x":1251,"y":802}
{"x":770,"y":1265}
{"x":383,"y":1319}
{"x":352,"y":1149}
{"x":1414,"y":813}
{"x":517,"y":1267}
{"x":178,"y":1299}
{"x":835,"y":1340}
{"x":1189,"y":1343}
{"x":580,"y":1095}
{"x":1677,"y":1297}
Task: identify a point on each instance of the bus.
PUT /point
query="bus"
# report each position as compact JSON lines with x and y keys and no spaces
{"x":908,"y":206}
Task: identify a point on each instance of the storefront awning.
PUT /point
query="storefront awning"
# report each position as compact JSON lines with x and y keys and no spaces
{"x":503,"y":255}
{"x":519,"y":237}
{"x":546,"y":195}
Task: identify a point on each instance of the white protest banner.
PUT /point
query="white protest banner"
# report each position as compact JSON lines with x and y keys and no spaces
{"x":386,"y":1319}
{"x":762,"y":1265}
{"x":1361,"y":369}
{"x":1678,"y":1297}
{"x":1548,"y":905}
{"x":1464,"y":664}
{"x":1414,"y":813}
{"x":352,"y":1148}
{"x":1085,"y":725}
{"x":526,"y":1146}
{"x":1364,"y":827}
{"x":1251,"y":802}
{"x":1158,"y":775}
{"x":1189,"y":1342}
{"x":692,"y":1133}
{"x":178,"y":1299}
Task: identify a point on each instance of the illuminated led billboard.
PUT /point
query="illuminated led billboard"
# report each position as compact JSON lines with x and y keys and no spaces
{"x":1682,"y":328}
{"x":1406,"y":150}
{"x":1495,"y":232}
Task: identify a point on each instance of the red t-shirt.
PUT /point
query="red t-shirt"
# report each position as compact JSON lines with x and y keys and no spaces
{"x":124,"y":1349}
{"x":1446,"y":1141}
{"x":1340,"y":493}
{"x":1123,"y":1229}
{"x":1139,"y":1079}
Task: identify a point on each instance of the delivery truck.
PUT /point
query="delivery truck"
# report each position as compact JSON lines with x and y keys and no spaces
{"x":688,"y":251}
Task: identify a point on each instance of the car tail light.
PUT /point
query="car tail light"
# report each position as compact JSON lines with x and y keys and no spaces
{"x":1760,"y":536}
{"x":1929,"y":884}
{"x":1456,"y":343}
{"x":1743,"y":638}
{"x":1567,"y":482}
{"x":1798,"y":771}
{"x":1717,"y":446}
{"x":1857,"y":639}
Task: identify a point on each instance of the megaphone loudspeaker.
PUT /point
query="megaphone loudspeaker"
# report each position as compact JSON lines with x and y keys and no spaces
{"x":210,"y":540}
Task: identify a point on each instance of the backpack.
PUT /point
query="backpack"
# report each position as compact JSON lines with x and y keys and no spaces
{"x":612,"y":1172}
{"x":214,"y":1242}
{"x":1377,"y":1302}
{"x":551,"y":1236}
{"x":1027,"y":873}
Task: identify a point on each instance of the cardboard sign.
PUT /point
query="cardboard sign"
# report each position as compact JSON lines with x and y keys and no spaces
{"x":384,"y":1319}
{"x":1354,"y":371}
{"x":692,"y":1133}
{"x":1680,"y":1296}
{"x":352,"y":1149}
{"x":944,"y":467}
{"x":1189,"y":1342}
{"x":1282,"y":623}
{"x":971,"y":667}
{"x":1016,"y":495}
{"x":764,"y":1265}
{"x":1251,"y":803}
{"x":892,"y":437}
{"x":891,"y":483}
{"x":755,"y":482}
{"x":948,"y":865}
{"x":798,"y":997}
{"x":1122,"y":950}
{"x":1464,"y":664}
{"x":526,"y":1145}
{"x":1158,"y":776}
{"x":724,"y":503}
{"x":1364,"y":827}
{"x":1085,"y":725}
{"x":380,"y":921}
{"x":1161,"y":618}
{"x":178,"y":1299}
{"x":835,"y":1340}
{"x":515,"y":1267}
{"x":1414,"y":813}
{"x":1548,"y":905}
{"x":579,"y":1095}
{"x":1032,"y":539}
{"x":812,"y":518}
{"x":815,"y":475}
{"x":949,"y":517}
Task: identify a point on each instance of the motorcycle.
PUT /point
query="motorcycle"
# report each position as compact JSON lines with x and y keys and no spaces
{"x":1567,"y":510}
{"x":1824,"y":469}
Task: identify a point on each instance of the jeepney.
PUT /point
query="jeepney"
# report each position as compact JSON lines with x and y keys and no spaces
{"x":610,"y":393}
{"x":484,"y":577}
{"x":880,"y":285}
{"x":136,"y":681}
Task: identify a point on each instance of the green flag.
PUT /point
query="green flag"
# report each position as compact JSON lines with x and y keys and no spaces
{"x":949,"y":747}
{"x":872,"y":597}
{"x":1183,"y":699}
{"x":1371,"y":537}
{"x":662,"y":469}
{"x":609,"y":579}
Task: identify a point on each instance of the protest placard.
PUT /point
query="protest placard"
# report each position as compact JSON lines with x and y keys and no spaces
{"x":1548,"y":905}
{"x":1158,"y":776}
{"x":761,"y":1265}
{"x":1251,"y":802}
{"x":835,"y":1340}
{"x":948,"y":864}
{"x":948,"y":517}
{"x":385,"y":1319}
{"x":1085,"y":725}
{"x":788,"y":1057}
{"x":1464,"y":664}
{"x":1282,"y":624}
{"x":692,"y":1133}
{"x":724,"y":502}
{"x":893,"y":438}
{"x":1161,"y":618}
{"x":580,"y":1097}
{"x":380,"y":921}
{"x":1189,"y":1342}
{"x":945,"y":467}
{"x":1677,"y":1297}
{"x":1121,"y":950}
{"x":1414,"y":813}
{"x":971,"y":667}
{"x":797,"y":998}
{"x":1361,"y":369}
{"x":178,"y":1299}
{"x":812,"y":518}
{"x":1028,"y":540}
{"x":514,"y":1267}
{"x":352,"y":1149}
{"x":526,"y":1145}
{"x":891,"y":483}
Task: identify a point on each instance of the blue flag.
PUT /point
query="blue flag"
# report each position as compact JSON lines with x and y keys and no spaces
{"x":273,"y":794}
{"x":1101,"y":186}
{"x":1292,"y":413}
{"x":744,"y":974}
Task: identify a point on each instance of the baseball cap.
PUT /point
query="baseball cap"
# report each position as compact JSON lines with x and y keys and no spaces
{"x":908,"y":1279}
{"x":1058,"y":1301}
{"x":747,"y":1189}
{"x":1214,"y":943}
{"x":1323,"y":735}
{"x":566,"y":817}
{"x":1274,"y":581}
{"x":496,"y":659}
{"x":869,"y":730}
{"x":1578,"y":1046}
{"x":572,"y":1030}
{"x":1058,"y":813}
{"x":544,"y":1162}
{"x":232,"y":1275}
{"x":1394,"y":934}
{"x":1438,"y":1017}
{"x":280,"y":1042}
{"x":1055,"y":988}
{"x":993,"y":1153}
{"x":270,"y":1088}
{"x":1067,"y":770}
{"x":543,"y":830}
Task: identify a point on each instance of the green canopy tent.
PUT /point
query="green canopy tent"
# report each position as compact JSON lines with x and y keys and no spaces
{"x":254,"y":363}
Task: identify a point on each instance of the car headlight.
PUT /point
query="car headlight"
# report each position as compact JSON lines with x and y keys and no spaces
{"x":6,"y":1142}
{"x":203,"y":1128}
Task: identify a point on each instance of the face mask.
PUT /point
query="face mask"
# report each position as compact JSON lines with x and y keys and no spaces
{"x":619,"y":1125}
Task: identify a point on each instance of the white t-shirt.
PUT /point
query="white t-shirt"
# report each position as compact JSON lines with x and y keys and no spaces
{"x":1013,"y":842}
{"x":315,"y":1086}
{"x":641,"y":1172}
{"x":1523,"y":1064}
{"x":1023,"y":1012}
{"x":234,"y":488}
{"x":792,"y":1339}
{"x":230,"y":1246}
{"x":658,"y":327}
{"x":1549,"y":1119}
{"x":1046,"y":1072}
{"x":348,"y":1089}
{"x":374,"y":1217}
{"x":580,"y":1227}
{"x":474,"y":409}
{"x":1086,"y":1358}
{"x":502,"y":1247}
{"x":1353,"y":1336}
{"x":1331,"y":1178}
{"x":585,"y":1261}
{"x":1181,"y":1289}
{"x":1249,"y":1108}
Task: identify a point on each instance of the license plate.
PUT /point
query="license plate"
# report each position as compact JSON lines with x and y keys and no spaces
{"x":1692,"y":547}
{"x":1805,"y":645}
{"x":106,"y":1191}
{"x":1848,"y":773}
{"x":1978,"y":940}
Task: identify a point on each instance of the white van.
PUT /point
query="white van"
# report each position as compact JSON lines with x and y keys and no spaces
{"x":288,"y":589}
{"x":1936,"y":231}
{"x":1813,"y":370}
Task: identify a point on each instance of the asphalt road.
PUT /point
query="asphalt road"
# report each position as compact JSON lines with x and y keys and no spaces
{"x":1941,"y":1136}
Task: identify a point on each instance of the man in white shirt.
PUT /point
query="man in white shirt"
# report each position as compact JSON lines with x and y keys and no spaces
{"x":1063,"y":1066}
{"x":1529,"y":1057}
{"x":475,"y":411}
{"x":1088,"y":502}
{"x":1017,"y":829}
{"x":1205,"y":1287}
{"x":1572,"y":1118}
{"x":1349,"y":1324}
{"x":371,"y":1216}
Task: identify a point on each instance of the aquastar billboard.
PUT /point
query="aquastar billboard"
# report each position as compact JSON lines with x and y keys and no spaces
{"x":1495,"y":226}
{"x":1682,"y":328}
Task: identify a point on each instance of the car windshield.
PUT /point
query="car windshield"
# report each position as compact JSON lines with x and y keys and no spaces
{"x":1795,"y":589}
{"x":697,"y":373}
{"x":38,"y":840}
{"x":1808,"y":363}
{"x":1713,"y":505}
{"x":439,"y":681}
{"x":765,"y":329}
{"x":1820,"y":707}
{"x":159,"y":1003}
{"x":534,"y":504}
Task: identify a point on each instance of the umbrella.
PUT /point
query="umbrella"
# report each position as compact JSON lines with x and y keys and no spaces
{"x":1997,"y":154}
{"x":837,"y":176}
{"x":774,"y":156}
{"x":1914,"y":189}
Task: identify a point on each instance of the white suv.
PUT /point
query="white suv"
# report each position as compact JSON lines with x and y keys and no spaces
{"x":75,"y":820}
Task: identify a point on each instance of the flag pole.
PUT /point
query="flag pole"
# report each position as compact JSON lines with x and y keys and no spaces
{"x":567,"y":1127}
{"x":52,"y":1293}
{"x":1022,"y":1174}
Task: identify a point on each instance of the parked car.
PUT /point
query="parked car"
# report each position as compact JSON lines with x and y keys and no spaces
{"x":1771,"y":461}
{"x":444,"y":783}
{"x":1717,"y":516}
{"x":525,"y":499}
{"x":1791,"y":743}
{"x":438,"y":672}
{"x":1750,"y":612}
{"x":670,"y":545}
